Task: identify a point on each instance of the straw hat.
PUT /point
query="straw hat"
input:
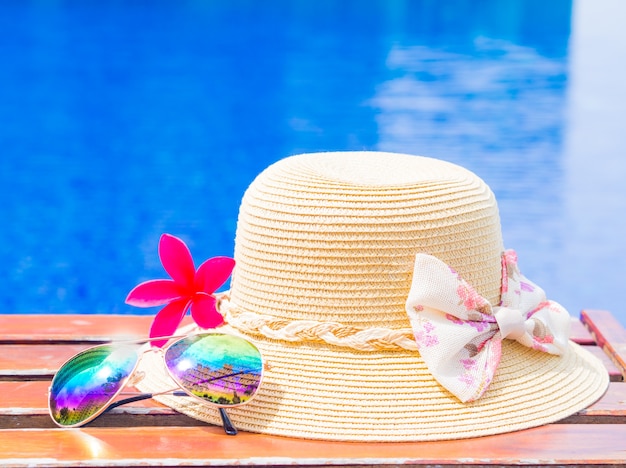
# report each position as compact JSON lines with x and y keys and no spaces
{"x":345,"y":262}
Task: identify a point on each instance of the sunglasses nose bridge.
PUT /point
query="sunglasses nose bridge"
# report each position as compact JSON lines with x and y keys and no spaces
{"x":137,"y":377}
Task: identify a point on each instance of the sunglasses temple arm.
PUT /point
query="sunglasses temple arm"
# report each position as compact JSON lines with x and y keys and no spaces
{"x":229,"y":427}
{"x":140,"y":397}
{"x":143,"y":396}
{"x":227,"y":424}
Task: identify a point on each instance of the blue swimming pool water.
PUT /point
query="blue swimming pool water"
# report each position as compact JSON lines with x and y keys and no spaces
{"x":124,"y":120}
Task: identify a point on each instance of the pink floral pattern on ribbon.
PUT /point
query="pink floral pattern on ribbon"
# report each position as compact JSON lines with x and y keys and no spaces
{"x":459,"y":333}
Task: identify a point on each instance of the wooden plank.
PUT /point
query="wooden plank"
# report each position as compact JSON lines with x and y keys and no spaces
{"x":24,"y":404}
{"x":80,"y":328}
{"x":557,"y":444}
{"x":46,"y":327}
{"x":33,"y":395}
{"x":579,"y":333}
{"x":615,"y":374}
{"x":613,"y":403}
{"x":609,"y":334}
{"x":34,"y":361}
{"x":610,"y":409}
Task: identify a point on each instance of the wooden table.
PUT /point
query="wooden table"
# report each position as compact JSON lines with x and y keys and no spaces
{"x":149,"y":434}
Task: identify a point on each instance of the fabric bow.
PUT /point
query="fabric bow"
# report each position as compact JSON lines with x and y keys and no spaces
{"x":459,"y":333}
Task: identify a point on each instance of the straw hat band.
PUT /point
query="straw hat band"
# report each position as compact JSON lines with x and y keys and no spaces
{"x":332,"y":333}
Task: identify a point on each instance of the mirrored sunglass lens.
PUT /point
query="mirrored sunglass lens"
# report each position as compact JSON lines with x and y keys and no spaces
{"x":88,"y":381}
{"x":222,"y":369}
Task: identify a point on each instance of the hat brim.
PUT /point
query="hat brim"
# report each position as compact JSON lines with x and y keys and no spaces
{"x":316,"y":391}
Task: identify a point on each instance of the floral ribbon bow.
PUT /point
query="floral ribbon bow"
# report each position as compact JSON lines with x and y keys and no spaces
{"x":459,"y":333}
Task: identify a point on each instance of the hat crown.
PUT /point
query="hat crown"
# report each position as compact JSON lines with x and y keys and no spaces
{"x":333,"y":236}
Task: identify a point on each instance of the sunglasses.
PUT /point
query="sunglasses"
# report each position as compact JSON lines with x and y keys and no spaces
{"x":215,"y":368}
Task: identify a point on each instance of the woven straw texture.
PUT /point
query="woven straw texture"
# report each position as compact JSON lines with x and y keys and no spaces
{"x":324,"y":254}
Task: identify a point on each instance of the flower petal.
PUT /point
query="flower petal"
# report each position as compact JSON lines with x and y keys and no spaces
{"x":168,"y":319}
{"x":154,"y":293}
{"x":204,"y":312}
{"x":213,"y":273}
{"x":176,"y":259}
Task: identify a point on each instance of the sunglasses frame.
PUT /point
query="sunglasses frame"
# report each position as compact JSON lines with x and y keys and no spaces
{"x":132,"y":378}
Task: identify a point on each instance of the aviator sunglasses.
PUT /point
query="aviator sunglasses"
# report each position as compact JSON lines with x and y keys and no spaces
{"x":219,"y":369}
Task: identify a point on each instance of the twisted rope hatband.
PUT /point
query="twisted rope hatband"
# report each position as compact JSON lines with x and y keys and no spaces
{"x":362,"y":339}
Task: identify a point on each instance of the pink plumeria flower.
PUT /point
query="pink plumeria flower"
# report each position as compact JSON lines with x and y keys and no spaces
{"x":187,"y":288}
